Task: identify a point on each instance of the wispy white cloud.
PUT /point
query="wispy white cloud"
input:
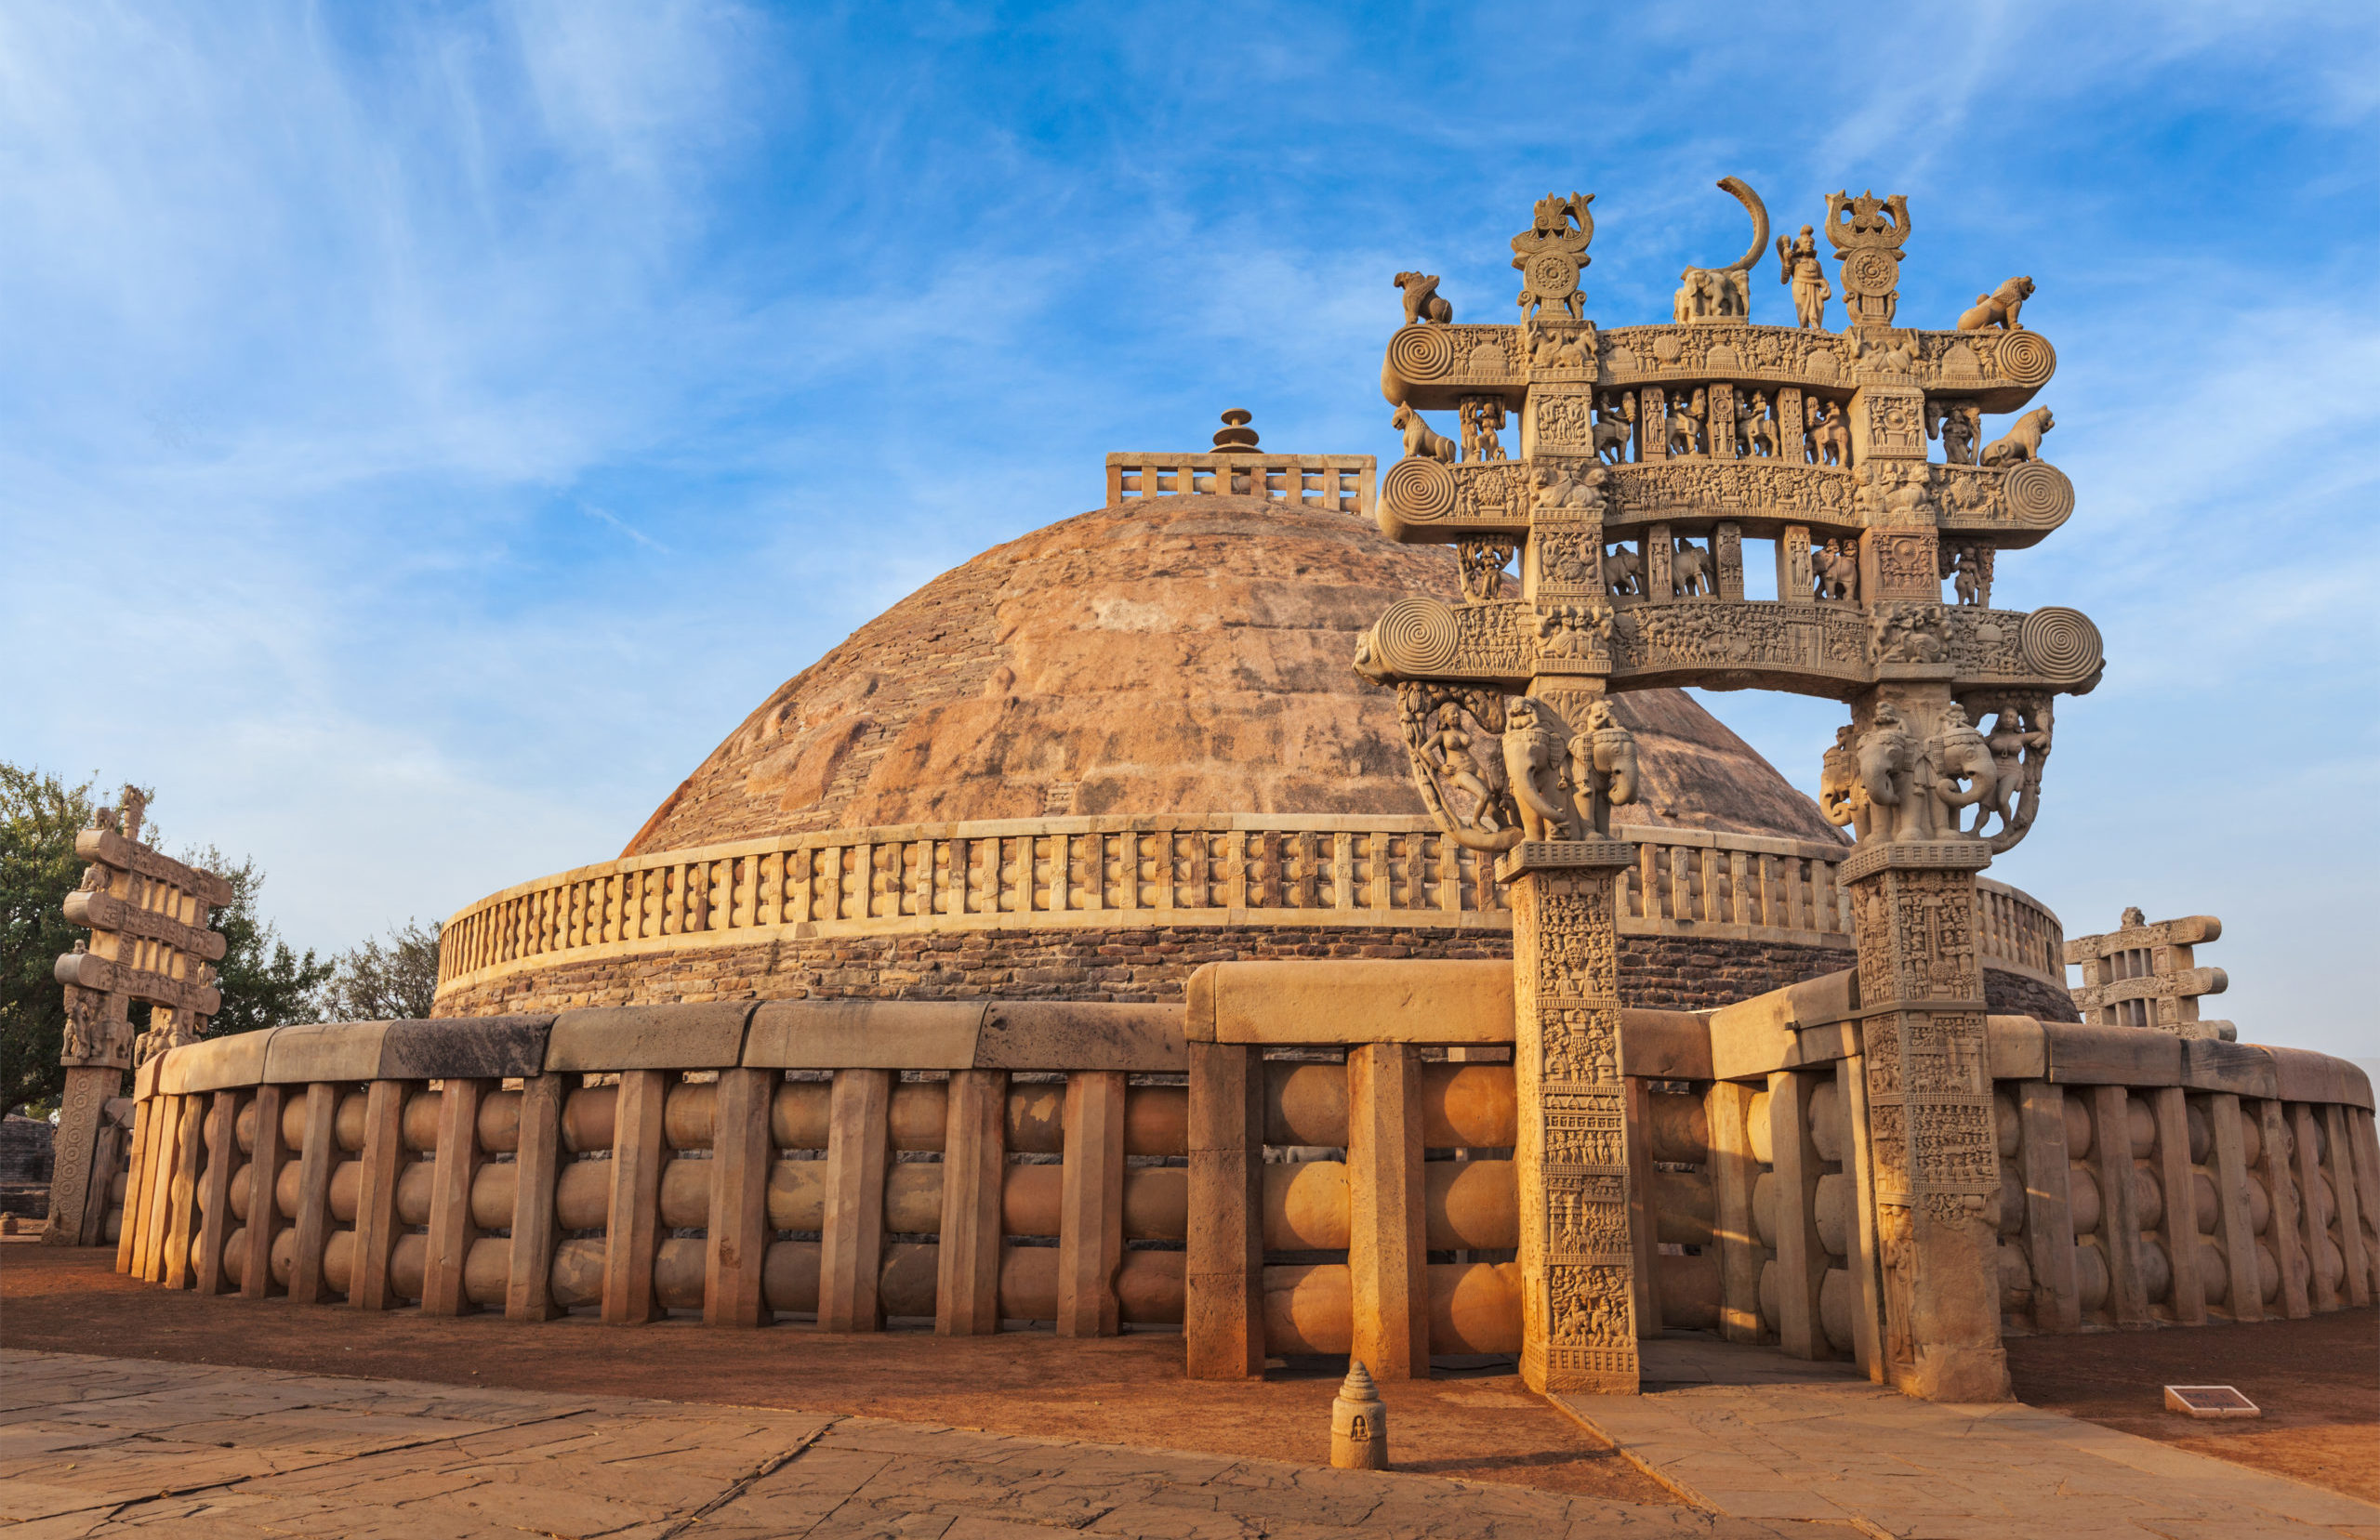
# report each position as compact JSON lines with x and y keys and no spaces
{"x":435,"y":427}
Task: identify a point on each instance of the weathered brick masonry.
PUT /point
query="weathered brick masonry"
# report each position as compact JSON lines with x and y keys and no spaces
{"x":1143,"y":962}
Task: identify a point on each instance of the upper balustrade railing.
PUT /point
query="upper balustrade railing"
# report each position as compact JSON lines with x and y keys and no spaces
{"x":1091,"y":873}
{"x":1341,"y":481}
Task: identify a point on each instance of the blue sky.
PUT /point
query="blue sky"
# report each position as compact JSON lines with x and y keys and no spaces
{"x":430,"y":427}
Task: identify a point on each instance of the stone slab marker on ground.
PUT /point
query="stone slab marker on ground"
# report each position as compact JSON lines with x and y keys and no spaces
{"x":150,"y":944}
{"x":1622,"y":526}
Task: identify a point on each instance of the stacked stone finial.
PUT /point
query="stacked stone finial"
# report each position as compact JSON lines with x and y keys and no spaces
{"x":1609,"y":554}
{"x":2145,"y":973}
{"x":1358,"y":1423}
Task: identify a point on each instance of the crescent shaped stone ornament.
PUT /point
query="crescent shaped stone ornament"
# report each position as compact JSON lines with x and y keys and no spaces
{"x":1759,"y":212}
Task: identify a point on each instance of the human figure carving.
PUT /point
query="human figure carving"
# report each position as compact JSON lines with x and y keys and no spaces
{"x":2000,"y":308}
{"x":1481,"y":420}
{"x":1623,"y":572}
{"x":2019,"y":741}
{"x":1533,"y":770}
{"x":2022,"y":441}
{"x":1797,"y":263}
{"x":1691,"y":570}
{"x":1835,"y":568}
{"x":1755,"y":431}
{"x":1685,"y":422}
{"x":1615,"y":422}
{"x":1422,"y":301}
{"x":1449,"y":748}
{"x":1603,"y":765}
{"x":1830,"y":436}
{"x":1421,"y":442}
{"x":1483,"y":563}
{"x":1963,"y":772}
{"x":1970,"y":569}
{"x":1958,"y":425}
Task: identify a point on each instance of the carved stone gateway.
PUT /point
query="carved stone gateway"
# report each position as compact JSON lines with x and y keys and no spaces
{"x":1648,"y":457}
{"x":2145,"y":974}
{"x":150,"y":942}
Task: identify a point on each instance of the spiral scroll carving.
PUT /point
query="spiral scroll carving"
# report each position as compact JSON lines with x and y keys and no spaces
{"x":1422,"y":352}
{"x":1416,"y":638}
{"x":2038,"y":493}
{"x":2027,"y":359}
{"x":2061,"y":644}
{"x":1418,"y":491}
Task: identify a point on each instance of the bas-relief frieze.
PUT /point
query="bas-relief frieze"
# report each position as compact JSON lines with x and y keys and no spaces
{"x":2021,"y":503}
{"x":1447,"y":358}
{"x":1816,"y":648}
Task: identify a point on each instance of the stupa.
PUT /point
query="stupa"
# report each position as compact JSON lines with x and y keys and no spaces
{"x":1137,"y":735}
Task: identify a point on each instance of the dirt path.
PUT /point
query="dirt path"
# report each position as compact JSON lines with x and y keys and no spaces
{"x":1123,"y":1390}
{"x":2317,"y":1380}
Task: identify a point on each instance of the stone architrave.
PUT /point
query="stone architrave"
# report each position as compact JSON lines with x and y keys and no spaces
{"x":2145,"y":974}
{"x":1632,"y":579}
{"x":150,"y":944}
{"x":1577,"y":1255}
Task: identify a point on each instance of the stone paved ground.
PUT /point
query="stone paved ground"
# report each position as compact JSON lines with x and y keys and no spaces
{"x":95,"y":1446}
{"x":1791,"y":1441}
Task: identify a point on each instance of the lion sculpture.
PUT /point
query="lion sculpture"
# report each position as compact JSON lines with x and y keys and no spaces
{"x":2022,"y":441}
{"x":2000,"y":308}
{"x":1422,"y":300}
{"x":1421,"y":442}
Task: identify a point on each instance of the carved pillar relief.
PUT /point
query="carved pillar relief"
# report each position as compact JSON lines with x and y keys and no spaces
{"x":1790,"y":427}
{"x":1578,"y":1322}
{"x":1652,"y":425}
{"x":1900,"y":565}
{"x":1930,"y":1119}
{"x":1727,"y":545}
{"x":1559,"y":420}
{"x":1658,"y":563}
{"x":1723,"y":423}
{"x":1795,"y":582}
{"x":1887,"y":422}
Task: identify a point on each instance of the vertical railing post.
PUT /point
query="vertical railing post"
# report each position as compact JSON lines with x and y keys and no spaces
{"x":1090,"y":1226}
{"x":1387,"y":1238}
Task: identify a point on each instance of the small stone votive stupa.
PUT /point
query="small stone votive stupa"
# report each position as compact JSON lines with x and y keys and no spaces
{"x":1358,"y":1423}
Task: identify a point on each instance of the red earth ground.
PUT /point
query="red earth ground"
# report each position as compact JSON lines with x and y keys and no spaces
{"x":2317,"y":1380}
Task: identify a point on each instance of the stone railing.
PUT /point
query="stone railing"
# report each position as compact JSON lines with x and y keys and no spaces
{"x":1341,"y":482}
{"x":1102,"y":873}
{"x":1257,"y":1165}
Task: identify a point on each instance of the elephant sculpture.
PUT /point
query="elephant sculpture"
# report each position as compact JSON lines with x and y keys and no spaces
{"x":1534,"y":772}
{"x":1603,"y":766}
{"x":1965,"y":773}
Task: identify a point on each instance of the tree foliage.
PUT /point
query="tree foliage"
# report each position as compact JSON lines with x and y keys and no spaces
{"x":264,"y":982}
{"x":39,"y":816}
{"x":396,"y":982}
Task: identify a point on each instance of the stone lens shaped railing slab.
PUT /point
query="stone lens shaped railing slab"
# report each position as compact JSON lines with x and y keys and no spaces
{"x":1090,"y":873}
{"x":717,"y":1158}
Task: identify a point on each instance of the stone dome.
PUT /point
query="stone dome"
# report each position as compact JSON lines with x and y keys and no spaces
{"x":1171,"y":654}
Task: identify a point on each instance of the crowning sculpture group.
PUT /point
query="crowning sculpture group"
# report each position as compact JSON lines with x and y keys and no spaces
{"x":1648,"y":457}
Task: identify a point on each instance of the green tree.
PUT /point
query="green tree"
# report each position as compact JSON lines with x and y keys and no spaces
{"x":396,"y":982}
{"x":39,"y":816}
{"x":264,"y":983}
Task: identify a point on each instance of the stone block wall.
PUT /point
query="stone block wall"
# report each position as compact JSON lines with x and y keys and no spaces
{"x":1140,"y":963}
